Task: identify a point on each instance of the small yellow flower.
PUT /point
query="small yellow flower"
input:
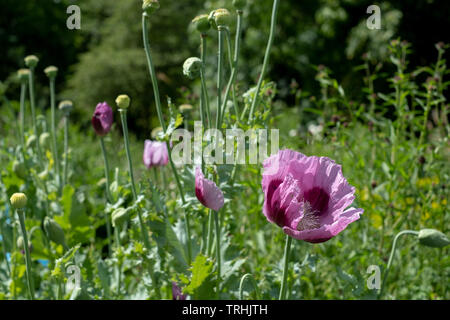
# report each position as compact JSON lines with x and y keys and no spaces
{"x":18,"y":200}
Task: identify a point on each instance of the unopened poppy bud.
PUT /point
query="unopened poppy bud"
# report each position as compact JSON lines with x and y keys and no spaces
{"x":201,"y":23}
{"x":44,"y":139}
{"x":119,"y":217}
{"x":31,"y":140}
{"x":54,"y":231}
{"x":150,"y":6}
{"x":23,"y":75}
{"x":20,"y":169}
{"x":18,"y":200}
{"x":51,"y":71}
{"x":239,"y":4}
{"x":222,"y":17}
{"x":433,"y":238}
{"x":123,"y":101}
{"x":192,"y":67}
{"x":31,"y":61}
{"x":66,"y":107}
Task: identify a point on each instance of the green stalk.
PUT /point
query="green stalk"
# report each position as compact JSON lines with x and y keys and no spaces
{"x":210,"y":235}
{"x":219,"y":76}
{"x":206,"y":97}
{"x":163,"y":125}
{"x":108,"y":194}
{"x":66,"y":149}
{"x":33,"y":114}
{"x":21,"y":214}
{"x":204,"y":104}
{"x":266,"y":58}
{"x":216,"y":220}
{"x":391,"y":257}
{"x":123,"y":117}
{"x":119,"y":267}
{"x":23,"y":88}
{"x":53,"y":127}
{"x":241,"y":286}
{"x":424,"y":130}
{"x":287,"y":249}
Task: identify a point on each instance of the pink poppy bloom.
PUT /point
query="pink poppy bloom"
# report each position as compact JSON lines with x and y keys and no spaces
{"x":102,"y":119}
{"x":155,"y":154}
{"x":207,"y":192}
{"x":307,"y":196}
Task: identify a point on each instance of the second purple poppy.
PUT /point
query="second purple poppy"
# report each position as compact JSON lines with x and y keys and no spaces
{"x":155,"y":154}
{"x":102,"y":119}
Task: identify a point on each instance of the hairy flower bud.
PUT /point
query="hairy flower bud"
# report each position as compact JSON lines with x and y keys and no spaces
{"x":51,"y":71}
{"x":20,"y":169}
{"x":433,"y":238}
{"x":54,"y":231}
{"x":18,"y":200}
{"x":201,"y":23}
{"x":192,"y":67}
{"x":239,"y":4}
{"x":222,"y":17}
{"x":66,"y":107}
{"x":119,"y":217}
{"x":31,"y":61}
{"x":150,"y":6}
{"x":44,"y":140}
{"x":23,"y":75}
{"x":123,"y":101}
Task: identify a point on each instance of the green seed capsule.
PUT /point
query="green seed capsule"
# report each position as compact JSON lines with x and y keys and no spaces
{"x":433,"y":238}
{"x":222,"y":17}
{"x":150,"y":6}
{"x":51,"y":71}
{"x":123,"y":101}
{"x":54,"y":231}
{"x":23,"y":75}
{"x":201,"y":23}
{"x":31,"y":61}
{"x":65,"y":106}
{"x":18,"y":200}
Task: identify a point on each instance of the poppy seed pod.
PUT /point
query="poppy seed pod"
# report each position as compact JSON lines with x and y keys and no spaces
{"x":433,"y":238}
{"x":31,"y":61}
{"x":239,"y":4}
{"x":23,"y":75}
{"x":201,"y":23}
{"x":150,"y":6}
{"x":185,"y":108}
{"x":51,"y":71}
{"x":222,"y":17}
{"x":18,"y":200}
{"x":54,"y":231}
{"x":123,"y":101}
{"x":119,"y":217}
{"x":65,"y":106}
{"x":192,"y":67}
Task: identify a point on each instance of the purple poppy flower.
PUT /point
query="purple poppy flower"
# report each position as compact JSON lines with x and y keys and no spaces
{"x":177,"y":294}
{"x":207,"y":192}
{"x":307,"y":196}
{"x":155,"y":154}
{"x":102,"y":119}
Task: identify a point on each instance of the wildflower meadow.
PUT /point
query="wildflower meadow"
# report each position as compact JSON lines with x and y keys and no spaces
{"x":237,"y":184}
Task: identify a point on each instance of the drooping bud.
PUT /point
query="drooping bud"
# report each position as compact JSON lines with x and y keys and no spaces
{"x":23,"y":75}
{"x":201,"y":23}
{"x":44,"y":140}
{"x":222,"y":17}
{"x":433,"y":238}
{"x":66,"y":107}
{"x":20,"y":169}
{"x":239,"y":4}
{"x":18,"y":200}
{"x":150,"y":6}
{"x":123,"y":101}
{"x":192,"y":67}
{"x":119,"y":217}
{"x":31,"y":61}
{"x":51,"y":71}
{"x":54,"y":231}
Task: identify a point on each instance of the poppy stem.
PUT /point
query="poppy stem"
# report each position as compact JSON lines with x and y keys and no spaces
{"x":241,"y":286}
{"x":33,"y":115}
{"x":23,"y":88}
{"x":391,"y":257}
{"x":219,"y":76}
{"x":287,"y":249}
{"x":266,"y":58}
{"x":108,"y":194}
{"x":21,"y":214}
{"x":216,"y":220}
{"x":66,"y":149}
{"x":53,"y":127}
